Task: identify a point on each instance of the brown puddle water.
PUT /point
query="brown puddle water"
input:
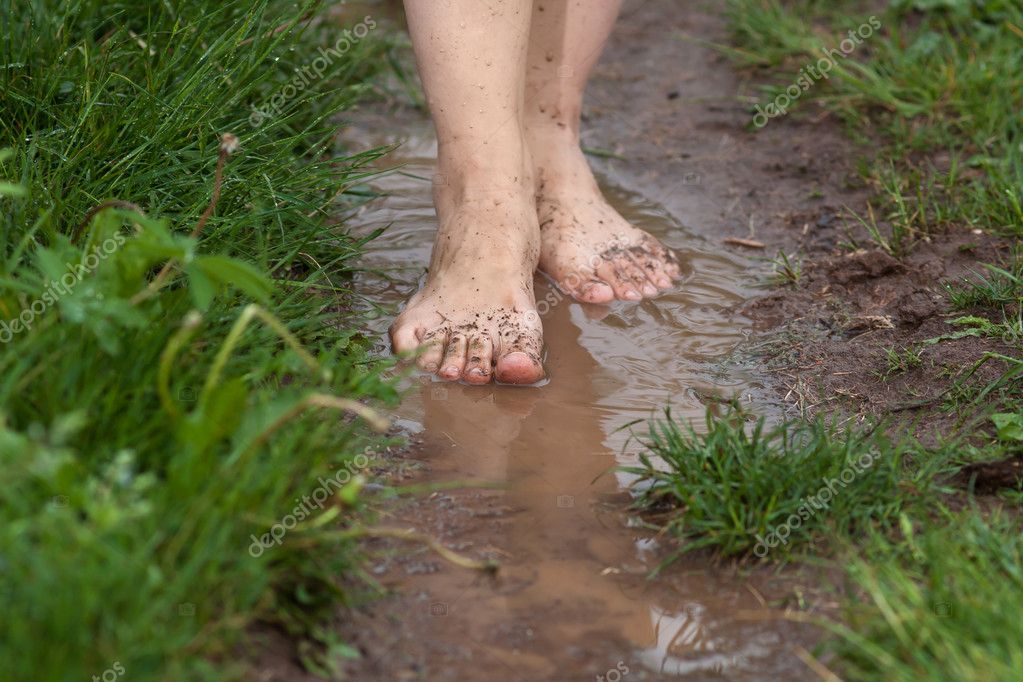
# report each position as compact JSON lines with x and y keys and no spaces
{"x":572,"y":574}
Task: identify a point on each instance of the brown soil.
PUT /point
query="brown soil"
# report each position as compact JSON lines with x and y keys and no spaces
{"x":988,"y":478}
{"x":673,"y":113}
{"x":835,"y":326}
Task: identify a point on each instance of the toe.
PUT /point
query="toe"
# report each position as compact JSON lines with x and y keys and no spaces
{"x":571,"y":284}
{"x":433,"y":344}
{"x":403,"y":337}
{"x":519,"y":358}
{"x":519,"y":367}
{"x":454,"y":357}
{"x":595,"y":291}
{"x":665,"y":259}
{"x":618,"y":277}
{"x":671,"y":264}
{"x":635,"y":274}
{"x":651,"y":272}
{"x":479,"y":367}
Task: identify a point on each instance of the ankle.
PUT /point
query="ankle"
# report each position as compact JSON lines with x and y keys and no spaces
{"x":478,"y":171}
{"x":554,"y":115}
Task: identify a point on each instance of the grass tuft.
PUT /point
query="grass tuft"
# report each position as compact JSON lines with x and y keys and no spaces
{"x":749,"y":488}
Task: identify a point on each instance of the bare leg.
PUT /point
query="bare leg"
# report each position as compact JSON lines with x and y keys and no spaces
{"x":476,"y":314}
{"x":590,"y":250}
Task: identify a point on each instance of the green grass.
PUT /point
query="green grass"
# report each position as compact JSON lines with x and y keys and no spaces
{"x":787,"y":270}
{"x":940,"y":604}
{"x":773,"y":491}
{"x":937,"y":78}
{"x":151,"y":424}
{"x":899,"y":360}
{"x":997,"y":287}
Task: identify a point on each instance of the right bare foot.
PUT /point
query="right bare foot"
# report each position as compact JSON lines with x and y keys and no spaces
{"x":475,"y":319}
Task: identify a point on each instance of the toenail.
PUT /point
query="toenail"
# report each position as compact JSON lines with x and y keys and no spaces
{"x":632,"y":295}
{"x":649,"y":289}
{"x":477,"y":372}
{"x":430,"y":367}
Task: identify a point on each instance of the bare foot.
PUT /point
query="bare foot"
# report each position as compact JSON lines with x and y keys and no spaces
{"x":587,"y":247}
{"x":476,"y":316}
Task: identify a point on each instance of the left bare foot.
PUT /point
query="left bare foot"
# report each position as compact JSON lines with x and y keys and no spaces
{"x":587,"y":247}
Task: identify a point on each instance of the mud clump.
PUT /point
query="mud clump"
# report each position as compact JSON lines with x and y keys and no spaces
{"x":860,"y":266}
{"x":917,"y":307}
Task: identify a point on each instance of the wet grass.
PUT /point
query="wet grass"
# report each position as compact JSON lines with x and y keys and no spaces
{"x":929,"y":593}
{"x":179,"y":367}
{"x":994,"y":286}
{"x":899,"y":360}
{"x":942,"y":603}
{"x":934,"y":92}
{"x":787,"y":270}
{"x":748,"y":489}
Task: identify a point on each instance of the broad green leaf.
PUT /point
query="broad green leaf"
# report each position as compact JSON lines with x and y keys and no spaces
{"x":1009,"y":425}
{"x":236,"y":273}
{"x":202,"y":288}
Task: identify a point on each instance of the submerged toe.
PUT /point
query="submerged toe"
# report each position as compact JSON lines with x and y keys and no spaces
{"x":479,"y":365}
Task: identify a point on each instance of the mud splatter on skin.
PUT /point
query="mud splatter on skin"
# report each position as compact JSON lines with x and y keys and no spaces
{"x":475,"y":320}
{"x":595,"y":255}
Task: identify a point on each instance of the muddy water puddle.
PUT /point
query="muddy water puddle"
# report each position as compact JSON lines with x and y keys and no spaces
{"x":571,"y":600}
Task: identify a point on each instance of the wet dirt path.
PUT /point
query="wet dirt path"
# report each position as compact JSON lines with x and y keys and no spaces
{"x":570,"y":601}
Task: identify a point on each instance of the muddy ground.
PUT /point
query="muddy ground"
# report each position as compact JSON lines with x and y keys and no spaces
{"x":669,"y":116}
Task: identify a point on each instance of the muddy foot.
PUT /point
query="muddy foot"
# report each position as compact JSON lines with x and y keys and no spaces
{"x":475,"y":319}
{"x":587,"y":247}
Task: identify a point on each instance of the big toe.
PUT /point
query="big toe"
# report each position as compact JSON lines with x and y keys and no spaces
{"x":519,"y":367}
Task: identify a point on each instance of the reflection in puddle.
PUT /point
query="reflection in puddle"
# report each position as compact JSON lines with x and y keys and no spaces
{"x":571,"y":574}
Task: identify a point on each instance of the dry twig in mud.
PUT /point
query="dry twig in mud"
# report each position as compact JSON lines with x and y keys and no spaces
{"x":487,"y":566}
{"x":748,"y":243}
